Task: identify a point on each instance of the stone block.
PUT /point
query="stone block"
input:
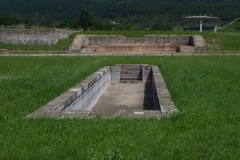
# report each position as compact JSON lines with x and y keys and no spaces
{"x":78,"y":89}
{"x":84,"y":84}
{"x":162,"y":93}
{"x":100,"y":73}
{"x":161,"y":85}
{"x":115,"y":67}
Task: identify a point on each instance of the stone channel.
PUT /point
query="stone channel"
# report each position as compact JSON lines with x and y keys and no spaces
{"x":129,"y":90}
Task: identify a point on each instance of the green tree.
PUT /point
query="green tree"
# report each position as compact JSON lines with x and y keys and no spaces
{"x":86,"y":19}
{"x":161,"y":27}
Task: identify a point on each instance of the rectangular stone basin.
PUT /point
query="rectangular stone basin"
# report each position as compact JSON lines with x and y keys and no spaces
{"x":121,"y":90}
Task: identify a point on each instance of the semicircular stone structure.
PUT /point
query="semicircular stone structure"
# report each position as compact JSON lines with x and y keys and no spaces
{"x":129,"y":90}
{"x":148,"y":44}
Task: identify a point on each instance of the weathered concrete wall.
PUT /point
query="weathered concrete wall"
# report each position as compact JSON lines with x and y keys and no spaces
{"x":31,"y":36}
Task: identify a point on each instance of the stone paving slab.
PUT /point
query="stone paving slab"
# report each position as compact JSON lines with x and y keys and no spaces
{"x":126,"y":97}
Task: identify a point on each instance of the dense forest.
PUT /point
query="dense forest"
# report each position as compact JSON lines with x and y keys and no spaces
{"x":144,"y":13}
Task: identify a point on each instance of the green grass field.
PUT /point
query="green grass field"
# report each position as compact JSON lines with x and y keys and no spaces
{"x":224,"y":40}
{"x":206,"y":91}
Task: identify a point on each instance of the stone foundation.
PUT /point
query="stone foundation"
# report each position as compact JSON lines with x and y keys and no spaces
{"x":150,"y":43}
{"x":31,"y":36}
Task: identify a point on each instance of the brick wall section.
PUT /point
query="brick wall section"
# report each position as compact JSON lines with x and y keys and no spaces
{"x":31,"y":36}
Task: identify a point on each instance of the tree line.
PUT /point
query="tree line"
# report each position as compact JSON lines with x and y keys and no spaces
{"x":136,"y":12}
{"x":85,"y":21}
{"x":16,"y":19}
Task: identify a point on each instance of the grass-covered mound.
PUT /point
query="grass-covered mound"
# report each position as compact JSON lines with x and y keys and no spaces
{"x":204,"y":89}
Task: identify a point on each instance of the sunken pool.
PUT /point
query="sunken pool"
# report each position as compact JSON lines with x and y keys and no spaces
{"x":130,"y":90}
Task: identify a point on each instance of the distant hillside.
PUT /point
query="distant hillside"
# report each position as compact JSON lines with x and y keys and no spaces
{"x":234,"y":25}
{"x":128,"y":11}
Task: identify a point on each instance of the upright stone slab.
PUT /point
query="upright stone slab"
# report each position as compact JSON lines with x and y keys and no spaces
{"x":115,"y":73}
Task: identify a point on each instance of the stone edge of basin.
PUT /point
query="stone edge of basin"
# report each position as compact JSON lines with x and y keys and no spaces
{"x":82,"y":43}
{"x":163,"y":95}
{"x":55,"y":107}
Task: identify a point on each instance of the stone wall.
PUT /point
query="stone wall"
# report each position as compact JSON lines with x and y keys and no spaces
{"x":161,"y":96}
{"x":79,"y":100}
{"x":149,"y":39}
{"x":91,"y":91}
{"x":31,"y":36}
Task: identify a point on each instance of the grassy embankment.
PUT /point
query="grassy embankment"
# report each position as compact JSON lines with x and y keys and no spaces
{"x":206,"y":91}
{"x":226,"y":39}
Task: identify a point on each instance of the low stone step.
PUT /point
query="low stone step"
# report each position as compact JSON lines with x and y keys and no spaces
{"x":131,"y":72}
{"x":131,"y":75}
{"x":130,"y":78}
{"x":186,"y":49}
{"x":131,"y":67}
{"x":136,"y":48}
{"x":131,"y":81}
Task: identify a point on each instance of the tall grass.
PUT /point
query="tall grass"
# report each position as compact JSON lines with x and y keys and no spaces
{"x":206,"y":91}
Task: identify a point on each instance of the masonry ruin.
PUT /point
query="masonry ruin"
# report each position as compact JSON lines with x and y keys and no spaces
{"x":33,"y":36}
{"x":150,"y":43}
{"x":125,"y":90}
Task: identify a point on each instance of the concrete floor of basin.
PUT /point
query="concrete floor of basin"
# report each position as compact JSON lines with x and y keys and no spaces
{"x":124,"y":99}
